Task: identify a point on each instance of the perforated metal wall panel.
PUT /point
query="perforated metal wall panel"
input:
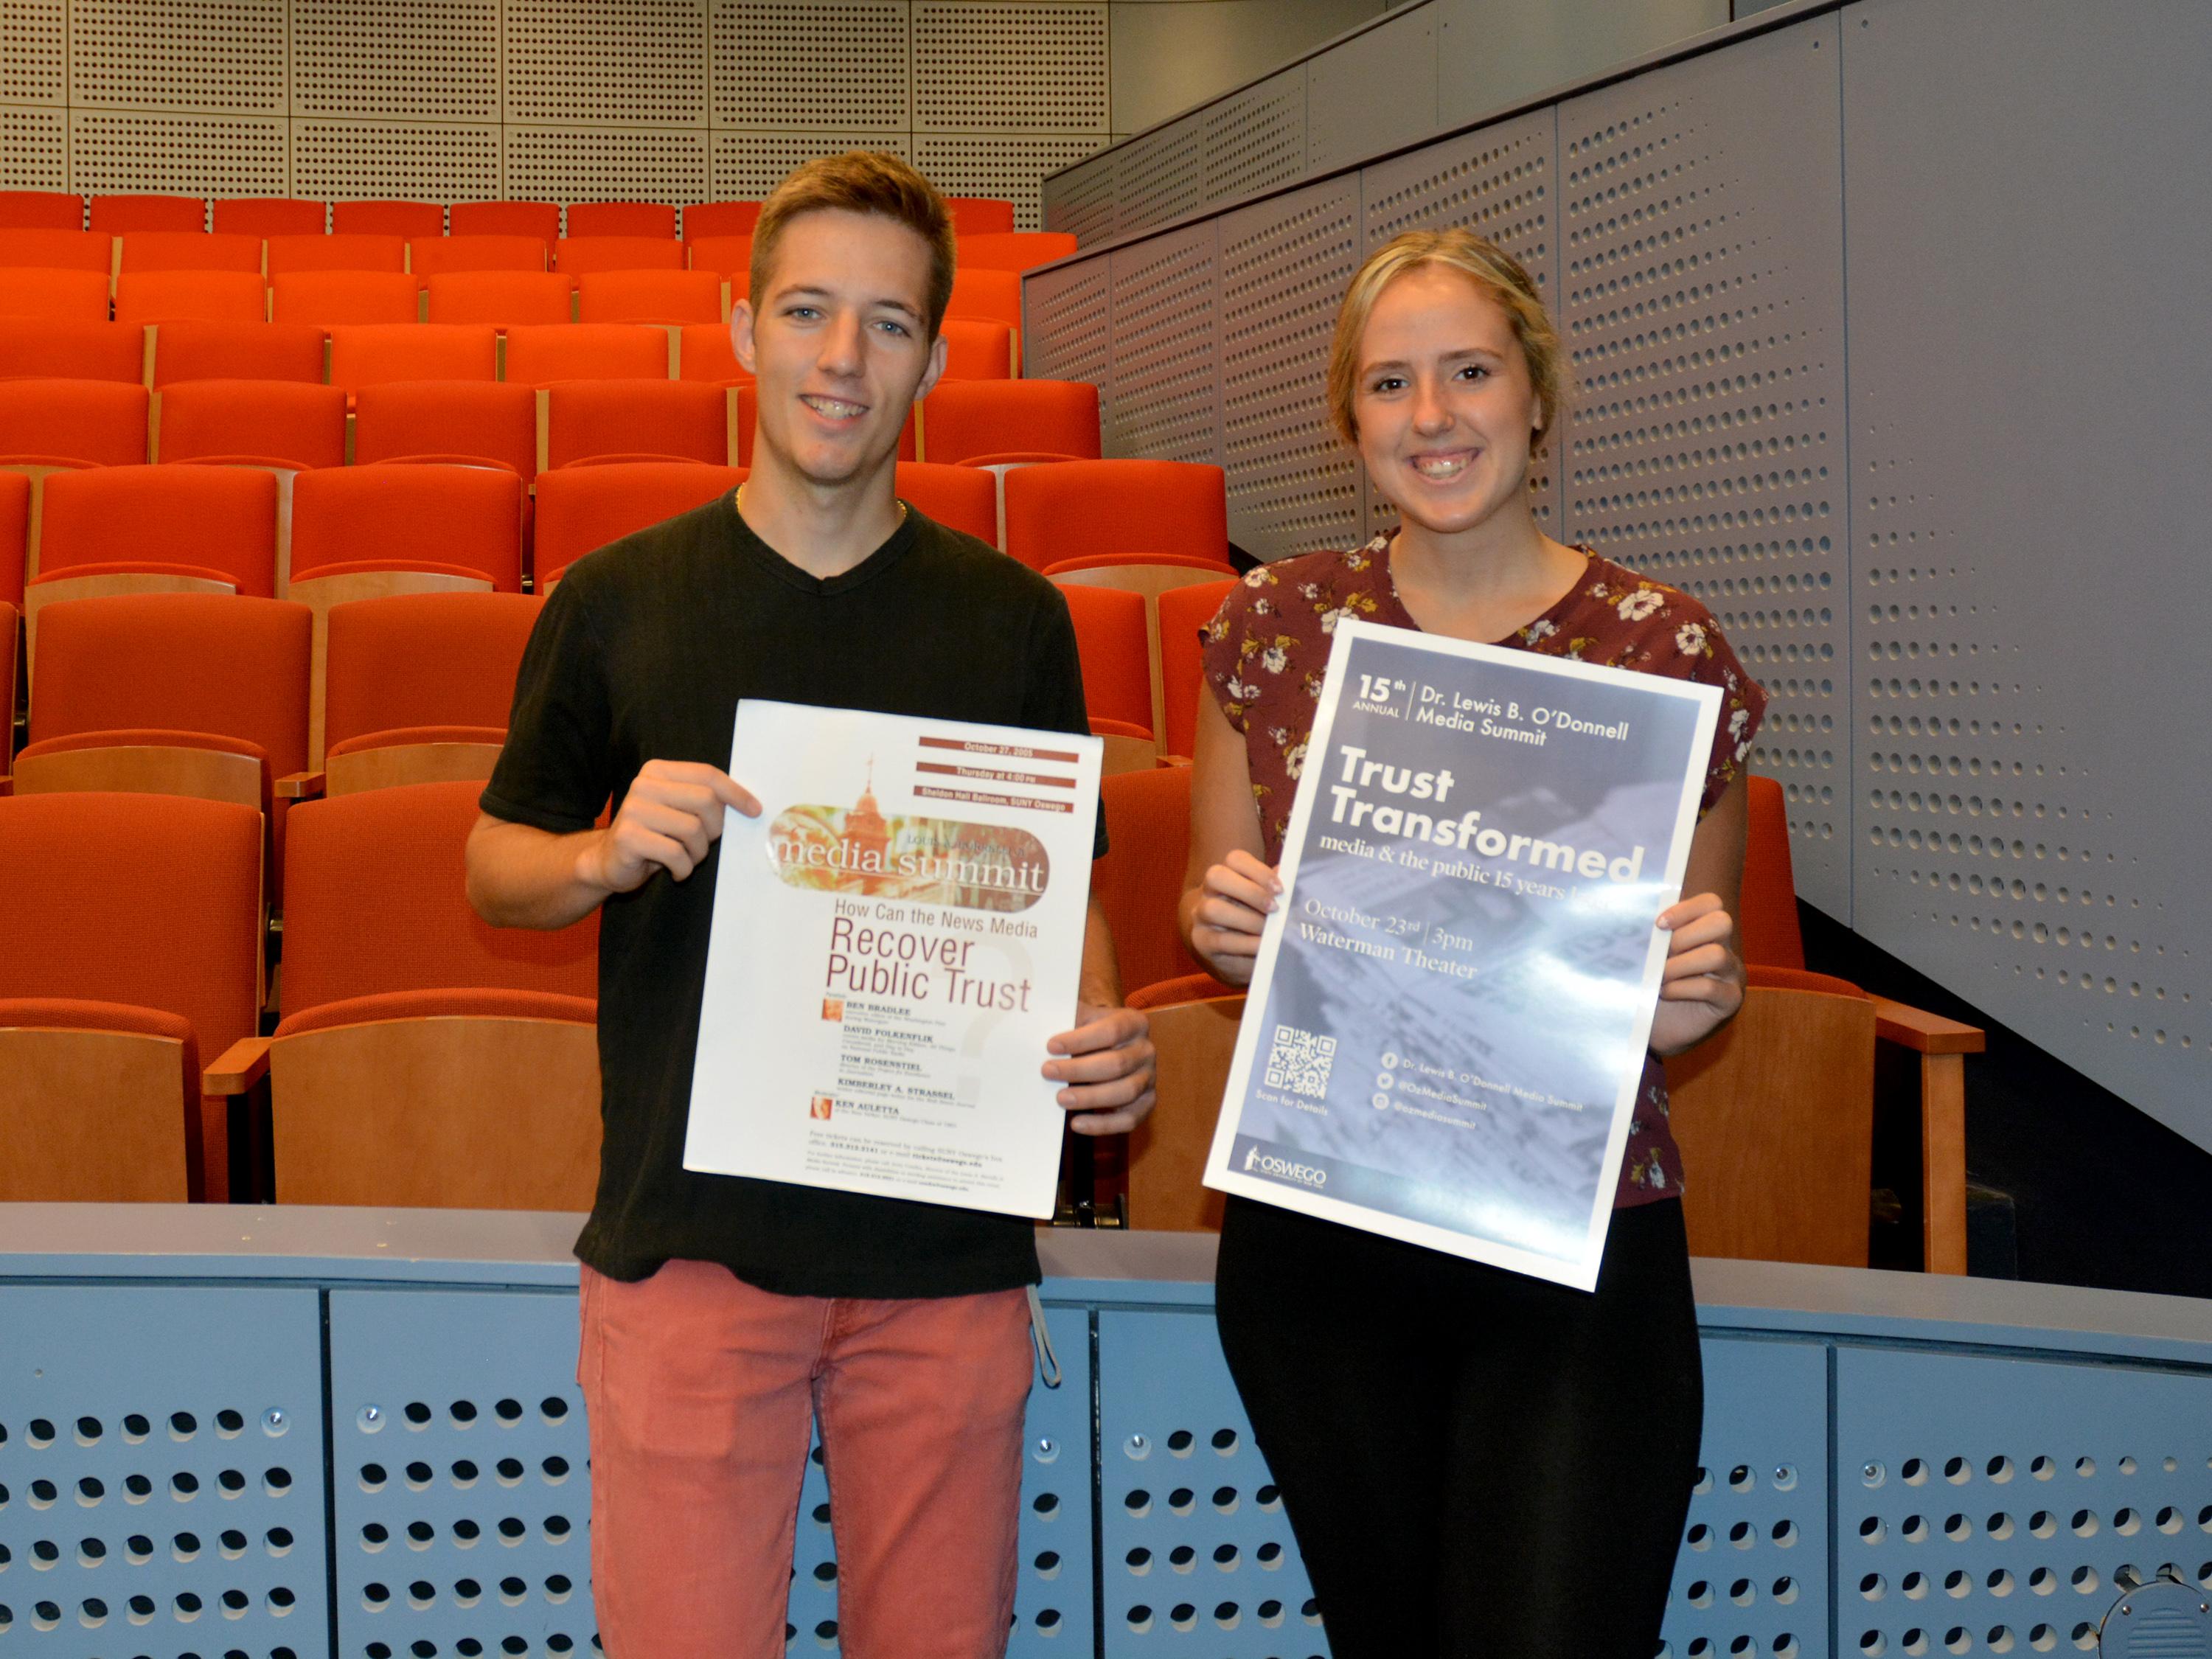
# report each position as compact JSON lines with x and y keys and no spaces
{"x":208,"y":57}
{"x":461,"y":1501}
{"x":395,"y":161}
{"x":593,"y":164}
{"x":2029,"y":687}
{"x":1701,"y":295}
{"x":1004,"y":165}
{"x":1293,"y":485}
{"x":1167,"y":361}
{"x":749,"y":165}
{"x":621,"y":61}
{"x":183,"y":154}
{"x":769,"y":70}
{"x":1752,"y":1574}
{"x":396,"y":59}
{"x":1166,"y":175}
{"x":33,"y":67}
{"x":1373,"y":91}
{"x":1501,"y":182}
{"x":1081,"y":200}
{"x":1255,"y":139}
{"x":34,"y":147}
{"x":1009,"y":65}
{"x":1067,"y":327}
{"x":161,"y":1472}
{"x":1996,"y":1514}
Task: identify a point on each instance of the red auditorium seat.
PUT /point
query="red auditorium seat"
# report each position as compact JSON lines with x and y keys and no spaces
{"x":58,"y":250}
{"x":621,"y":219}
{"x":959,"y":497}
{"x":131,"y":952}
{"x":115,"y":215}
{"x":40,"y":209}
{"x":607,"y":421}
{"x":370,"y":353}
{"x":71,"y":424}
{"x":1110,"y":637}
{"x":1016,"y":251}
{"x":582,"y":508}
{"x":500,"y":299}
{"x":671,"y":298}
{"x":1079,"y":509}
{"x":704,"y":353}
{"x":730,"y":258}
{"x":73,"y":351}
{"x":977,"y":215}
{"x":706,"y":219}
{"x":290,"y":256}
{"x":400,"y":219}
{"x":978,"y":350}
{"x":993,"y":294}
{"x":274,"y":424}
{"x":575,"y":255}
{"x":417,"y":687}
{"x":45,"y":293}
{"x":270,"y":216}
{"x":187,"y":250}
{"x":977,"y":422}
{"x":503,"y":219}
{"x":586,"y":351}
{"x":1182,"y":611}
{"x":1139,"y":882}
{"x":414,"y":1037}
{"x":467,"y":422}
{"x":440,"y":256}
{"x":14,"y":553}
{"x":236,"y":352}
{"x":191,"y":297}
{"x":334,"y":299}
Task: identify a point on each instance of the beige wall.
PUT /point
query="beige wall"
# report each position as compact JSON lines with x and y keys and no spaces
{"x":1170,"y":54}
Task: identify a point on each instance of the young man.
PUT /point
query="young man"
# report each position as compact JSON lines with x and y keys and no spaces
{"x":722,"y":1315}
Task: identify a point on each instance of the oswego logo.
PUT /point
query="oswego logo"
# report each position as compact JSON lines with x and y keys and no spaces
{"x":1283,"y":1170}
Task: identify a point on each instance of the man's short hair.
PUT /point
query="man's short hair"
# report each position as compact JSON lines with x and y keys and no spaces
{"x":861,"y":181}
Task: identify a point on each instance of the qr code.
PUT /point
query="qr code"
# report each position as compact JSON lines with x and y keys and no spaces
{"x":1300,"y":1061}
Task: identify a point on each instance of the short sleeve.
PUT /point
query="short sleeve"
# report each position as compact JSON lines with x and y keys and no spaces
{"x":1226,"y":643}
{"x":555,"y":770}
{"x":1052,"y":696}
{"x":1743,"y":705}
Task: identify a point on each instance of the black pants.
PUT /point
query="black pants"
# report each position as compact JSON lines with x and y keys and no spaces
{"x":1474,"y":1463}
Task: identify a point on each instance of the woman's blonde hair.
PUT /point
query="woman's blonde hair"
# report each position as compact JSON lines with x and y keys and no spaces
{"x":1494,"y":272}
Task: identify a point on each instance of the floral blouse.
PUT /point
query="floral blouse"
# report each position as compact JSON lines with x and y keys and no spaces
{"x":1267,"y":648}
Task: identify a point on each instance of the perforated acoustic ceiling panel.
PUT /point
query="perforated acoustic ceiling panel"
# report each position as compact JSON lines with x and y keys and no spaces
{"x":1165,"y":177}
{"x":2000,"y":1513}
{"x":396,"y":59}
{"x":1373,"y":91}
{"x":1009,"y":64}
{"x":205,"y":56}
{"x":1293,"y":485}
{"x":594,"y":164}
{"x":1167,"y":363}
{"x":1701,"y":295}
{"x":161,"y":1473}
{"x":395,"y":161}
{"x":125,"y":151}
{"x":34,"y":147}
{"x":32,"y":67}
{"x":1067,"y":327}
{"x":1255,"y":139}
{"x":461,"y":1502}
{"x":621,"y":61}
{"x":1004,"y":165}
{"x":1501,"y":182}
{"x":769,"y":70}
{"x":749,"y":165}
{"x":2030,"y":690}
{"x":1752,"y":1578}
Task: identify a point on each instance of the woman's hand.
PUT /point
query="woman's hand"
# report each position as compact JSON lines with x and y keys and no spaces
{"x":1234,"y":900}
{"x":1702,"y":986}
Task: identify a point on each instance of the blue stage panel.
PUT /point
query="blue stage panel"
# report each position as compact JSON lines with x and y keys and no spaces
{"x":1196,"y":1552}
{"x":161,"y":1472}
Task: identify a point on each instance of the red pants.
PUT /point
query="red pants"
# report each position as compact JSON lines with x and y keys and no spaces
{"x":701,"y":1391}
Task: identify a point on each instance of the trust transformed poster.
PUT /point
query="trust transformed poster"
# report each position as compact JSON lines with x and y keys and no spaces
{"x":894,"y":939}
{"x":1448,"y":1015}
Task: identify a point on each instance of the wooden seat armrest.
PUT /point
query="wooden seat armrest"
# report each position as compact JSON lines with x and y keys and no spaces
{"x":7,"y":785}
{"x":298,"y":786}
{"x":243,"y":1064}
{"x":1925,"y":1033}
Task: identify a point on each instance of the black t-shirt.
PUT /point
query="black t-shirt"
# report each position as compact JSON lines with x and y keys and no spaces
{"x":642,"y":654}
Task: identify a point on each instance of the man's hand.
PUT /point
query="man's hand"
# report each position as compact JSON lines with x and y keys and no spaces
{"x":672,"y":815}
{"x":1106,"y":1063}
{"x":1702,"y":985}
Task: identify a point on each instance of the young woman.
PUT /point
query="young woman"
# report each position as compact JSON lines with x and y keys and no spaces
{"x":1474,"y":1462}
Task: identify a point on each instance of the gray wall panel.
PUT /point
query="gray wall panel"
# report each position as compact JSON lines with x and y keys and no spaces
{"x":1490,"y":52}
{"x":1293,"y":486}
{"x":1374,"y":90}
{"x":1167,"y":361}
{"x":1256,"y":139}
{"x":1067,"y":332}
{"x":1163,"y":177}
{"x":1702,"y":298}
{"x":2027,"y":449}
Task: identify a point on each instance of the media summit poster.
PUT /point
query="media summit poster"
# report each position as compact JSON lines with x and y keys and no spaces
{"x":894,"y":939}
{"x":1448,"y":1015}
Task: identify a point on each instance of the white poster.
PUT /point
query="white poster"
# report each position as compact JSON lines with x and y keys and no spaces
{"x":894,"y":939}
{"x":1447,"y":1017}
